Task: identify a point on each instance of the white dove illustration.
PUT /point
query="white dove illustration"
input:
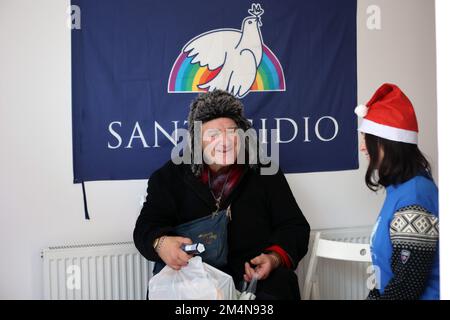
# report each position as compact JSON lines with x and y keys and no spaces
{"x":237,"y":52}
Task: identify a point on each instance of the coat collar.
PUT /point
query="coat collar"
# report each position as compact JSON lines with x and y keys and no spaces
{"x":203,"y":191}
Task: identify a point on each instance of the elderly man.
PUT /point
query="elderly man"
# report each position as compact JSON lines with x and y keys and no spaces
{"x":264,"y":233}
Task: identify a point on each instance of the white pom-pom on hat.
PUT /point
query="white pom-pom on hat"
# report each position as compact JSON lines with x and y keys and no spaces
{"x":361,"y":110}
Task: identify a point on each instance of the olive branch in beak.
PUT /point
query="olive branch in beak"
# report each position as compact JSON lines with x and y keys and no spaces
{"x":257,"y":12}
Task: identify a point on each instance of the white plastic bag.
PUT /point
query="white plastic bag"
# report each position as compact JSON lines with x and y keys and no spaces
{"x":196,"y":281}
{"x":248,"y":291}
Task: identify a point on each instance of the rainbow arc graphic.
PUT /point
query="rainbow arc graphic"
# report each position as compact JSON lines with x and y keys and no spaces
{"x":186,"y":77}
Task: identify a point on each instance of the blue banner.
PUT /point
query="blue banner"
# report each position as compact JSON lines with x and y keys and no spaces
{"x":137,"y":65}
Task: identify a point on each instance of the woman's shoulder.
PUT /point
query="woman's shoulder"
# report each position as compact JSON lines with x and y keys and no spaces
{"x":270,"y":178}
{"x":422,"y":184}
{"x":168,"y":171}
{"x":418,"y":191}
{"x":418,"y":183}
{"x":268,"y":172}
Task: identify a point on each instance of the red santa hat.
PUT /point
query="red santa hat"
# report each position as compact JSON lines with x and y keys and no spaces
{"x":390,"y":115}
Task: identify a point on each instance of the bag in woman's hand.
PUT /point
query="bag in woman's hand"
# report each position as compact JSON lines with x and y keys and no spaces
{"x":211,"y":231}
{"x":196,"y":281}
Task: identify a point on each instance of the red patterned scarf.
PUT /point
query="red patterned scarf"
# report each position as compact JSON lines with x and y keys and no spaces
{"x":224,"y":179}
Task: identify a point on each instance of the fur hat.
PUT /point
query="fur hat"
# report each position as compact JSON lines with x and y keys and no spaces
{"x":212,"y":105}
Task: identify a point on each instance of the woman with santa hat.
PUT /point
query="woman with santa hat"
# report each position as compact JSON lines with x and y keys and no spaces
{"x":404,"y":241}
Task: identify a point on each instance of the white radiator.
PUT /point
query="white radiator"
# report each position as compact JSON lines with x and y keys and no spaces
{"x":117,"y":271}
{"x":339,"y":280}
{"x":113,"y":271}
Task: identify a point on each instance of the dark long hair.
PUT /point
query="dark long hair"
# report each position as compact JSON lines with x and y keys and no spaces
{"x":401,"y":162}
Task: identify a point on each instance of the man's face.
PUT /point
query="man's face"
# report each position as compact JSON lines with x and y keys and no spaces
{"x":220,"y":141}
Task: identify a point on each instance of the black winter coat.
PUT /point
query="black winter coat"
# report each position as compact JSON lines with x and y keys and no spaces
{"x":263,"y":211}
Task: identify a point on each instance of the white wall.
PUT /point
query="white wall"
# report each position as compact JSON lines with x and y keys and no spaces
{"x":39,"y":205}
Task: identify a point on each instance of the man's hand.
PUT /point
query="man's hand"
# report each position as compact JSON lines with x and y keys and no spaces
{"x":169,"y":250}
{"x":264,"y":264}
